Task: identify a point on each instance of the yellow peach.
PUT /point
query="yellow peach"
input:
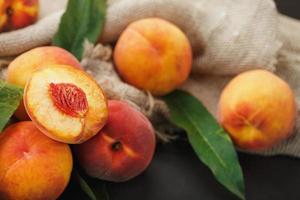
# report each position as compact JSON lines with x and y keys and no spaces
{"x":154,"y":55}
{"x":257,"y":109}
{"x":32,"y":166}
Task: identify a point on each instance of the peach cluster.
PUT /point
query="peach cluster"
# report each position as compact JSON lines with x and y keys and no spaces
{"x":62,"y":105}
{"x":67,"y":106}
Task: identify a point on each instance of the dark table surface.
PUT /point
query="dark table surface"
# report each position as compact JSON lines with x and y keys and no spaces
{"x":177,"y":174}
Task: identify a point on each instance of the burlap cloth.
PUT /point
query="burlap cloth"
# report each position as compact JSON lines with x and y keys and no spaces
{"x":227,"y":37}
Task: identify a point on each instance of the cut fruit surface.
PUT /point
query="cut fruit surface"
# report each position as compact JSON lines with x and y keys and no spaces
{"x":65,"y":103}
{"x":22,"y":67}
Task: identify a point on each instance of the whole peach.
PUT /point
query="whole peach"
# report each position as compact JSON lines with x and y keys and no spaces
{"x":258,"y":110}
{"x":153,"y":54}
{"x":16,"y":14}
{"x":22,"y":67}
{"x":32,"y":166}
{"x":122,"y":149}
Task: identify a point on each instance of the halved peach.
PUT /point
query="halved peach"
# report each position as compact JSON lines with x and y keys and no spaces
{"x":22,"y":67}
{"x":65,"y":103}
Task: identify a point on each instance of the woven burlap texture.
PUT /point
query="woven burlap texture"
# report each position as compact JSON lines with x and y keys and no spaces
{"x":227,"y":37}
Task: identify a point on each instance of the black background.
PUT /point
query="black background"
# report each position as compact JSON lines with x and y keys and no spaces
{"x":177,"y":174}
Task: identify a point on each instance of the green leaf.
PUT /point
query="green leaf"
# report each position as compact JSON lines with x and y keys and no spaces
{"x":83,"y":19}
{"x":210,"y":142}
{"x":10,"y":97}
{"x":95,"y":189}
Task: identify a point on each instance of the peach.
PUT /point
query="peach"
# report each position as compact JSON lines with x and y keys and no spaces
{"x":257,"y":109}
{"x":122,"y":149}
{"x":22,"y":67}
{"x":16,"y":14}
{"x":65,"y":103}
{"x":32,"y":166}
{"x":4,"y":4}
{"x":154,"y":55}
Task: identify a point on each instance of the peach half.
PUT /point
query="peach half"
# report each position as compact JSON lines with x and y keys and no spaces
{"x":154,"y":55}
{"x":122,"y":149}
{"x":32,"y":166}
{"x":65,"y":103}
{"x":22,"y":67}
{"x":257,"y":109}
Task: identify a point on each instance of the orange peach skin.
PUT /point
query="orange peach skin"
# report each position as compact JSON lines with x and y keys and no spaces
{"x":153,"y":54}
{"x":32,"y":166}
{"x":257,"y":109}
{"x":22,"y":67}
{"x":16,"y":14}
{"x":122,"y":149}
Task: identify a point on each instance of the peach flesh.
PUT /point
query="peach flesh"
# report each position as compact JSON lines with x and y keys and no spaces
{"x":154,"y":55}
{"x":250,"y":109}
{"x":123,"y":149}
{"x":69,"y":99}
{"x":32,"y":166}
